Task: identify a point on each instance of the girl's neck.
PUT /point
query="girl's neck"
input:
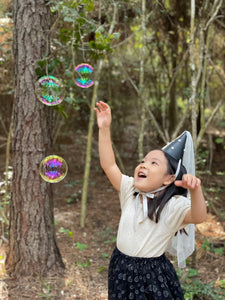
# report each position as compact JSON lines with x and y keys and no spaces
{"x":151,"y":192}
{"x":149,"y":195}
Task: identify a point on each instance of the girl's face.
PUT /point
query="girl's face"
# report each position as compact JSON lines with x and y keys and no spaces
{"x":152,"y":172}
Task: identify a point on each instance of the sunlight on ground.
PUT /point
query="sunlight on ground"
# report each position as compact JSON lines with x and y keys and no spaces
{"x":211,"y":228}
{"x":3,"y":291}
{"x":76,"y":286}
{"x":3,"y":286}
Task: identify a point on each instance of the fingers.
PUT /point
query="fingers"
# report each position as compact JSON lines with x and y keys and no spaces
{"x":188,"y":182}
{"x":96,"y":110}
{"x":191,"y":181}
{"x":178,"y":182}
{"x":102,"y":106}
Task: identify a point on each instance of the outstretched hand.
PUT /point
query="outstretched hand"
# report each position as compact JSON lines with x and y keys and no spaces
{"x":103,"y":113}
{"x":188,"y":181}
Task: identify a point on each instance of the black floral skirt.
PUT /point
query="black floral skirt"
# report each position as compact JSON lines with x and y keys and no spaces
{"x":142,"y":278}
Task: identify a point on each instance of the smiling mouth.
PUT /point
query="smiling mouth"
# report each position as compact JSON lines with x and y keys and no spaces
{"x":141,"y":175}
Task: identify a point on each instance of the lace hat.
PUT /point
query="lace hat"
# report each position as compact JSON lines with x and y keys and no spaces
{"x":182,"y":150}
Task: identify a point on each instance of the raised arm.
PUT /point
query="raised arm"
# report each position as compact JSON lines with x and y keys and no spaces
{"x":106,"y":153}
{"x":197,"y":214}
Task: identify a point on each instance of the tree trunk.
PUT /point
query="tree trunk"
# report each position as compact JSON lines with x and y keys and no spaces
{"x":89,"y":146}
{"x":32,"y":244}
{"x":173,"y":104}
{"x":142,"y":94}
{"x":193,"y":76}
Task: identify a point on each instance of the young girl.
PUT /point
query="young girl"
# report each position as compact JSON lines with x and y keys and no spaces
{"x":154,"y":209}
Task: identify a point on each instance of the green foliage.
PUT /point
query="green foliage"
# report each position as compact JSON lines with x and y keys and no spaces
{"x":219,"y":140}
{"x":79,"y":15}
{"x":73,"y":183}
{"x":60,"y":109}
{"x":198,"y":290}
{"x":209,"y":246}
{"x":81,"y":246}
{"x":201,"y":159}
{"x":102,"y":42}
{"x":222,"y":284}
{"x":87,"y":264}
{"x":105,"y":255}
{"x":220,"y":173}
{"x":80,"y":32}
{"x":193,"y":288}
{"x":63,"y":230}
{"x":69,"y":200}
{"x":75,"y":196}
{"x":112,"y":240}
{"x":101,"y":269}
{"x":44,"y":65}
{"x":192,"y":272}
{"x":45,"y":287}
{"x":107,"y":236}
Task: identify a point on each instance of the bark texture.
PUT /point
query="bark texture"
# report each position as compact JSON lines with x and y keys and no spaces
{"x":32,"y":246}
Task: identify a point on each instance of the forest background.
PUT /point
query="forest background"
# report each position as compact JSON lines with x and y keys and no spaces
{"x":160,"y":65}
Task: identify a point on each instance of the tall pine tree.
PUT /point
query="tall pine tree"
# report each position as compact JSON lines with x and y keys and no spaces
{"x":32,"y":244}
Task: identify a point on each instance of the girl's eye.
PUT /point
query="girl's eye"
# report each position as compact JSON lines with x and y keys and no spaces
{"x":142,"y":161}
{"x":154,"y":163}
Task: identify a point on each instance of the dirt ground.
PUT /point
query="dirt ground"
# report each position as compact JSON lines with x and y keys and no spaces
{"x":86,"y":251}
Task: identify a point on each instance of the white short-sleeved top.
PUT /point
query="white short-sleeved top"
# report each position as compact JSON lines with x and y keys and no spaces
{"x":147,"y":238}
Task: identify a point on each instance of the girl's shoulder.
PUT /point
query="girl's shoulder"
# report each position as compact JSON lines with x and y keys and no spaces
{"x":175,"y":211}
{"x":128,"y":180}
{"x":178,"y":202}
{"x":126,"y":189}
{"x":179,"y":197}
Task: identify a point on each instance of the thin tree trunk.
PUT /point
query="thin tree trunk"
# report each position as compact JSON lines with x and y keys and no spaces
{"x":202,"y":93}
{"x":32,"y":244}
{"x":173,"y":104}
{"x":203,"y":129}
{"x":90,"y":128}
{"x":141,"y":83}
{"x":193,"y":93}
{"x":193,"y":74}
{"x":203,"y":49}
{"x":89,"y":146}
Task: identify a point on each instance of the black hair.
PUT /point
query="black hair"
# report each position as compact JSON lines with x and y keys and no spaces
{"x":156,"y":205}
